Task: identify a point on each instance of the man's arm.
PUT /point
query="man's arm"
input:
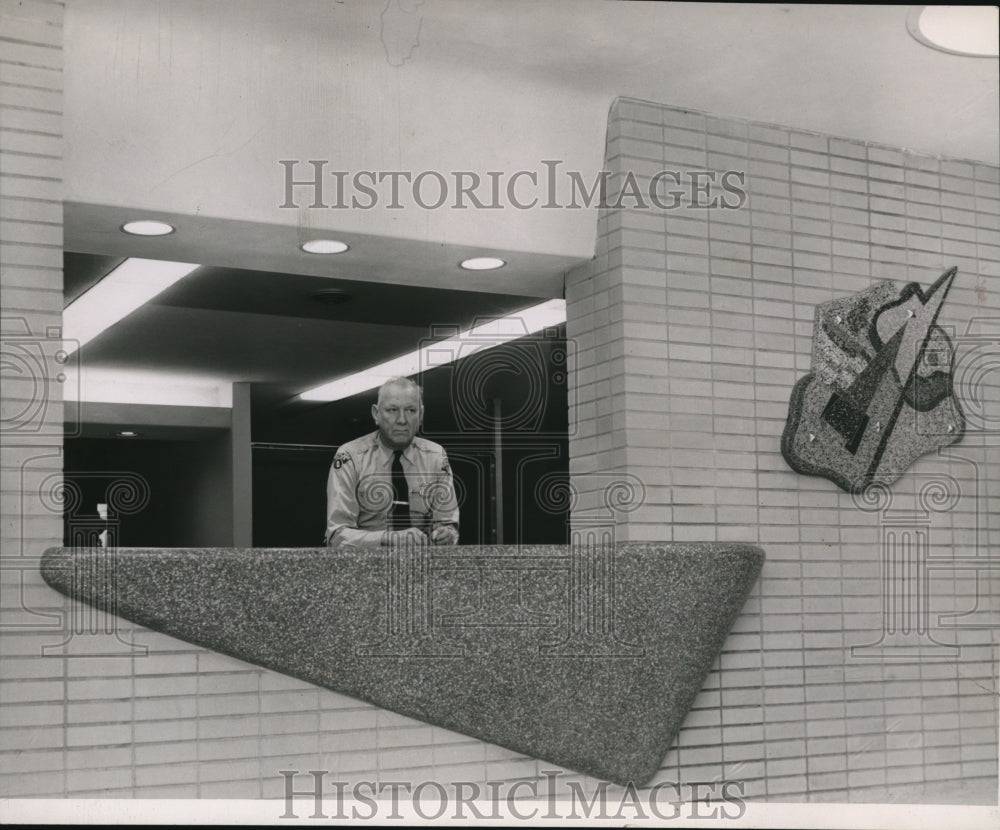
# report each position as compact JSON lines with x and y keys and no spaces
{"x":351,"y":536}
{"x":342,"y":507}
{"x":444,"y":506}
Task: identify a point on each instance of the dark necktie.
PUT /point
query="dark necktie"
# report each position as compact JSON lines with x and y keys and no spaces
{"x":399,"y":513}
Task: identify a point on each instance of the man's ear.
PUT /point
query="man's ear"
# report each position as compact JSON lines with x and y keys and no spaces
{"x":375,"y":412}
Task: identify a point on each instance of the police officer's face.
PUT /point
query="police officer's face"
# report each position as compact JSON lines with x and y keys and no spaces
{"x":397,"y":415}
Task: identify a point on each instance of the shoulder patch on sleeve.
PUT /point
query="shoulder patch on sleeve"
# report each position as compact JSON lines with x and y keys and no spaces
{"x":341,"y":458}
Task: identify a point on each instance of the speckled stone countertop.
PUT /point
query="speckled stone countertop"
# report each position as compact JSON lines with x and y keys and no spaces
{"x":585,"y":657}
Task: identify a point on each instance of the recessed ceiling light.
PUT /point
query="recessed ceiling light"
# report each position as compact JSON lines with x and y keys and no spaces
{"x":482,"y":263}
{"x":147,"y":227}
{"x":970,"y":31}
{"x":324,"y":246}
{"x":127,"y":433}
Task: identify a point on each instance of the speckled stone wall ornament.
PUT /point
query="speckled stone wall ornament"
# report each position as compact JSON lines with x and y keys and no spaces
{"x":879,"y":394}
{"x":586,"y":657}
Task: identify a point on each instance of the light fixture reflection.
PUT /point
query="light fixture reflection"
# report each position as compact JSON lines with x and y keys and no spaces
{"x":130,"y":285}
{"x":149,"y":387}
{"x":442,"y":352}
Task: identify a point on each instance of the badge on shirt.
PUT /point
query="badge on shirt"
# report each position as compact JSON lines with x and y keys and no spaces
{"x":340,"y":459}
{"x":418,"y":502}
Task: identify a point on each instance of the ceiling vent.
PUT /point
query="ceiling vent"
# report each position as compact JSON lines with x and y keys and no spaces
{"x":331,"y":296}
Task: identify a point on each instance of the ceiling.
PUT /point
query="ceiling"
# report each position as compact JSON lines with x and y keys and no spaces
{"x":270,"y":330}
{"x":181,"y":110}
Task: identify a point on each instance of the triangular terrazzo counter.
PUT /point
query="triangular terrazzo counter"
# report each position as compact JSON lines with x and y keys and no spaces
{"x":584,"y":657}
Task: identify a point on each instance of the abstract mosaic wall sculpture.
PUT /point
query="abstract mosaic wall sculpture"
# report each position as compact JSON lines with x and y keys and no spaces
{"x":879,"y":394}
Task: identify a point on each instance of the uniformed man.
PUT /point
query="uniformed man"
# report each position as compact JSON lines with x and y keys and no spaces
{"x":390,"y":487}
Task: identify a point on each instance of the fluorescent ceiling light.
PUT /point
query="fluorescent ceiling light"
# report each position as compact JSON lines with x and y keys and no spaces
{"x":132,"y":284}
{"x":106,"y":385}
{"x":970,"y":31}
{"x":147,"y":227}
{"x":482,"y":263}
{"x":324,"y":246}
{"x":443,"y":352}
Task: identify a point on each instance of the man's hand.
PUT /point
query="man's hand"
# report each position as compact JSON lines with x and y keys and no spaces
{"x":405,"y":538}
{"x":444,"y":535}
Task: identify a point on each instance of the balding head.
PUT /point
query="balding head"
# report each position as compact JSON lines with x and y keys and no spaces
{"x":400,"y":383}
{"x":398,"y":413}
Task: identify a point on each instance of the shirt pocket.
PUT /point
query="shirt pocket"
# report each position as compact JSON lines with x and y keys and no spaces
{"x":418,"y":499}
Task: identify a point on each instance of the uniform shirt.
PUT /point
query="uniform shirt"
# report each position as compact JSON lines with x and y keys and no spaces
{"x":359,"y":490}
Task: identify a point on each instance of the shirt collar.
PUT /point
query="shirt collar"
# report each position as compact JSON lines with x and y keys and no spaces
{"x":386,"y":454}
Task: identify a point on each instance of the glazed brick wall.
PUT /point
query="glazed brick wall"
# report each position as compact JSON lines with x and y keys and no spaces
{"x":181,"y":721}
{"x":690,"y":328}
{"x":31,"y":431}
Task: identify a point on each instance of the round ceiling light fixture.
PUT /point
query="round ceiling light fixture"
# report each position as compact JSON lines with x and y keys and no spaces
{"x":127,"y":433}
{"x":324,"y":246}
{"x":970,"y":31}
{"x":147,"y":227}
{"x":482,"y":263}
